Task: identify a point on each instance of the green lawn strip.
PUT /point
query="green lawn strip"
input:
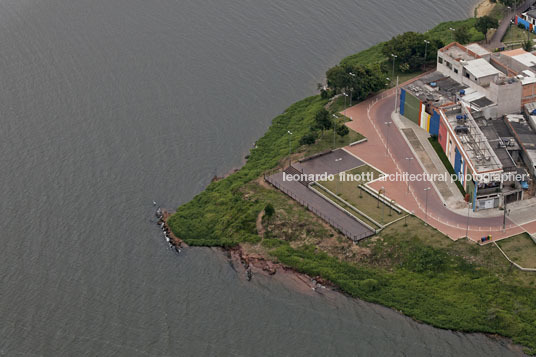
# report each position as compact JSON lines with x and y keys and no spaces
{"x":363,"y":201}
{"x":341,"y":203}
{"x":325,"y":141}
{"x":520,"y":249}
{"x":444,"y":159}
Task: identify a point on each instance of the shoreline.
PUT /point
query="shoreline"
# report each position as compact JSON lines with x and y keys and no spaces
{"x":234,"y":237}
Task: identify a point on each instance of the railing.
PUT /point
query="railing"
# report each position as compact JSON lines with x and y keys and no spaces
{"x":330,"y":221}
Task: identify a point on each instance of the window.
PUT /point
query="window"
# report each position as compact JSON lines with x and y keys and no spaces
{"x":468,"y":75}
{"x":455,"y":70}
{"x":448,"y":64}
{"x":440,"y":60}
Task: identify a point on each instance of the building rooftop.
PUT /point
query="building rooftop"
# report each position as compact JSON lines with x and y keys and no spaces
{"x":459,"y":52}
{"x":492,"y":130}
{"x":481,"y":68}
{"x":476,"y":48}
{"x":473,"y":141}
{"x":531,"y":13}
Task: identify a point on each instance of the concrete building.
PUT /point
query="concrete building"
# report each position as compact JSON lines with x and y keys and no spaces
{"x":467,"y":103}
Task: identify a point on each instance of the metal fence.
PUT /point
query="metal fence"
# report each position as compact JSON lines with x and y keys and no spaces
{"x":330,"y":221}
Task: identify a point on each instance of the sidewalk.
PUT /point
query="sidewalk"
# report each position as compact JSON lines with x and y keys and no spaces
{"x":417,"y":140}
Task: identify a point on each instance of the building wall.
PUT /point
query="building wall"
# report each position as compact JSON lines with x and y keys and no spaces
{"x":525,"y":21}
{"x":528,"y":94}
{"x":507,"y":96}
{"x":410,"y":106}
{"x":442,"y":135}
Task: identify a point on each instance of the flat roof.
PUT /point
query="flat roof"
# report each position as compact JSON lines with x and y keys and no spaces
{"x":481,"y":68}
{"x":474,"y":143}
{"x":476,"y":48}
{"x":459,"y":52}
{"x":524,"y":134}
{"x":528,"y":59}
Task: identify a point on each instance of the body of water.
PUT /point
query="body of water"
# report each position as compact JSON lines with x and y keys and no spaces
{"x":107,"y":105}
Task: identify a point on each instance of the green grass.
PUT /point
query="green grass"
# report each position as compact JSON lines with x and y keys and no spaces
{"x":369,"y":205}
{"x":517,"y":35}
{"x":325,"y":141}
{"x":351,"y":209}
{"x":521,"y":249}
{"x":443,"y":157}
{"x":220,"y":216}
{"x":416,"y":270}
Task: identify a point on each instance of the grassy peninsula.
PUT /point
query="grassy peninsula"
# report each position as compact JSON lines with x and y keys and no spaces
{"x":409,"y":267}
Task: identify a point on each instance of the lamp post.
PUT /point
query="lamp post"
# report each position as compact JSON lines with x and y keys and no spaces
{"x":383,"y":206}
{"x":334,"y":124}
{"x":468,"y":212}
{"x":409,"y":168}
{"x":388,"y":123}
{"x":426,"y":205}
{"x":351,"y":88}
{"x":289,"y":147}
{"x":426,"y":43}
{"x":452,"y":30}
{"x":394,"y":59}
{"x":345,"y":107}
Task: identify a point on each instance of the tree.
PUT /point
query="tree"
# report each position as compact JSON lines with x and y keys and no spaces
{"x":309,"y":138}
{"x":410,"y":49}
{"x":322,"y":120}
{"x":358,"y":79}
{"x":484,"y":23}
{"x":528,"y":45}
{"x":342,"y":130}
{"x":462,"y":35}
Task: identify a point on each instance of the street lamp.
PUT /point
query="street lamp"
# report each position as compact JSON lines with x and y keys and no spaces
{"x":409,"y":168}
{"x":383,"y":206}
{"x":468,"y":212}
{"x":334,"y":124}
{"x":388,"y":123}
{"x":351,"y":88}
{"x":452,"y":29}
{"x":289,"y":147}
{"x":426,"y":205}
{"x":394,"y":59}
{"x":426,"y":43}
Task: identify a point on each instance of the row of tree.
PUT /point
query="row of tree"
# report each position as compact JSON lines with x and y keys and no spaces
{"x":356,"y":80}
{"x":323,"y":121}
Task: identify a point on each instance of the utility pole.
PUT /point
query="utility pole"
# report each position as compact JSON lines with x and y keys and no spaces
{"x":452,"y":30}
{"x":383,"y":206}
{"x":505,"y":213}
{"x":409,"y":159}
{"x":426,"y":209}
{"x":426,"y":43}
{"x":468,"y":212}
{"x":289,"y":147}
{"x":351,"y":88}
{"x":388,"y":123}
{"x":334,"y":124}
{"x":394,"y":59}
{"x":396,"y":95}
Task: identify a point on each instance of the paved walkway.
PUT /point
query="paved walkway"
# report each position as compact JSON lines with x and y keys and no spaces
{"x":496,"y":40}
{"x":370,"y":117}
{"x":333,"y":163}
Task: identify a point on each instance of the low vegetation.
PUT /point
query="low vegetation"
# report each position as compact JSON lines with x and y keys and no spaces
{"x":408,"y":266}
{"x":521,"y":249}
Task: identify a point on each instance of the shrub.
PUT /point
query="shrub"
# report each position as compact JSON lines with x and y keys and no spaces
{"x":309,"y":138}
